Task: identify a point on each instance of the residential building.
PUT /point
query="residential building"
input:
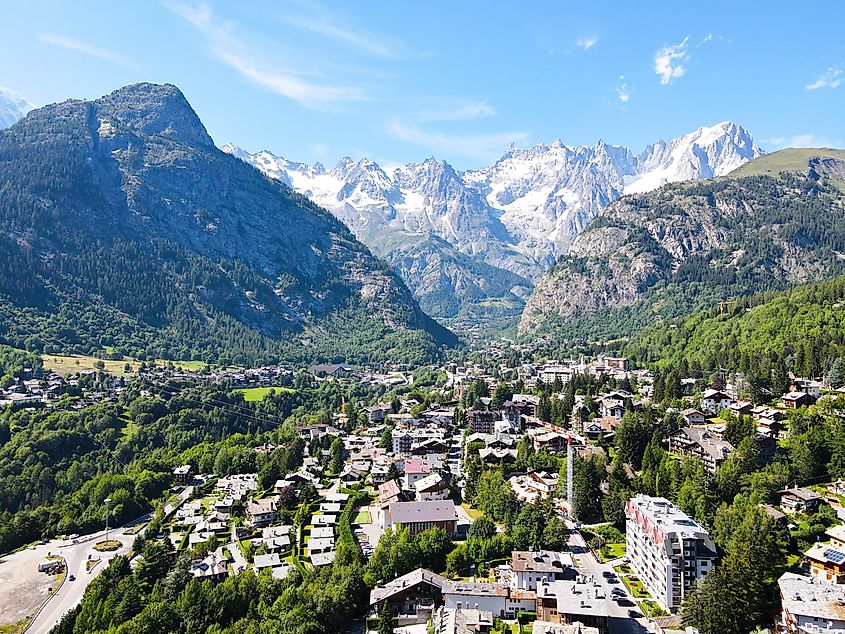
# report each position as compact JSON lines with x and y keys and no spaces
{"x":808,"y":386}
{"x":533,"y":485}
{"x":794,"y":400}
{"x":482,"y":421}
{"x":377,"y":413}
{"x":261,"y":512}
{"x":714,"y":401}
{"x":800,"y":500}
{"x":520,"y":405}
{"x":837,"y":536}
{"x":701,"y":443}
{"x":415,"y":469}
{"x":826,"y":563}
{"x":693,"y":416}
{"x":546,"y":627}
{"x":550,"y":373}
{"x":667,"y":549}
{"x":431,"y":487}
{"x":528,"y":568}
{"x":462,"y":621}
{"x":810,"y":606}
{"x":573,"y":601}
{"x":183,"y":474}
{"x":617,"y":363}
{"x":420,"y":516}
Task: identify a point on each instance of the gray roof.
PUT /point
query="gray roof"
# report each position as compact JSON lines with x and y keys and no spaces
{"x":385,"y":591}
{"x":267,"y":561}
{"x":429,"y":511}
{"x":810,"y":597}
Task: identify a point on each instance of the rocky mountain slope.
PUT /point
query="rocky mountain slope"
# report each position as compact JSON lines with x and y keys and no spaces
{"x":686,"y":246}
{"x":123,"y":225}
{"x":517,"y":215}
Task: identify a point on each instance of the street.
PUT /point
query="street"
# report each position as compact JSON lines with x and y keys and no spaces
{"x":619,"y":622}
{"x":75,"y":555}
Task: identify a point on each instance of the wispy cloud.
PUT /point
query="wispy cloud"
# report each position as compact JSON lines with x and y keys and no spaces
{"x":455,"y":110}
{"x":316,"y":19}
{"x":486,"y":146}
{"x":587,"y":42}
{"x":831,"y":78}
{"x":279,"y":77}
{"x":87,"y":49}
{"x":802,"y":140}
{"x":669,"y":61}
{"x":622,"y":91}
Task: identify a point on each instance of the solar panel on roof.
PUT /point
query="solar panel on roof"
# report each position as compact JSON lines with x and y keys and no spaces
{"x":835,"y":556}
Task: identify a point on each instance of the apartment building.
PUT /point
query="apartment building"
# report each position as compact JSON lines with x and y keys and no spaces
{"x":702,"y":443}
{"x":667,"y":549}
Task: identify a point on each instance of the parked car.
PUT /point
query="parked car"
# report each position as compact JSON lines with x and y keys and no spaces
{"x":625,"y":602}
{"x":634,"y":614}
{"x":72,"y":578}
{"x":606,"y":574}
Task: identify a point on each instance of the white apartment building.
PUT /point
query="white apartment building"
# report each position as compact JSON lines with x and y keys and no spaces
{"x":667,"y":549}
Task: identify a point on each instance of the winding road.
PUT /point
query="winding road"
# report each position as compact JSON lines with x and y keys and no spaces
{"x":76,"y":553}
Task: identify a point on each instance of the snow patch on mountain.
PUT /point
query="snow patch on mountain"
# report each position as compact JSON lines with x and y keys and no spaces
{"x":12,"y":107}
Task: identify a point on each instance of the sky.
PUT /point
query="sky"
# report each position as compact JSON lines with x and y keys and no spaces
{"x":398,"y":82}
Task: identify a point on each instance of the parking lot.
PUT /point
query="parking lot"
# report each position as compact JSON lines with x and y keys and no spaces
{"x":368,"y":534}
{"x":22,"y":587}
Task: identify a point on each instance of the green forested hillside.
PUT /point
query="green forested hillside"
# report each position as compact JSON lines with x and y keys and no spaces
{"x":684,"y":247}
{"x":123,"y":227}
{"x":802,"y":330}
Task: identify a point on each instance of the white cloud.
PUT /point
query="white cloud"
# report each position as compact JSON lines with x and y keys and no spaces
{"x":802,"y":140}
{"x":622,"y":91}
{"x":588,"y":42}
{"x":485,"y":146}
{"x":87,"y":49}
{"x":455,"y":110}
{"x":279,"y":77}
{"x":831,"y":78}
{"x":319,"y":20}
{"x":320,"y":149}
{"x":669,"y":61}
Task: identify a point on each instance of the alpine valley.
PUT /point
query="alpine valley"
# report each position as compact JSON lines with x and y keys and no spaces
{"x":471,"y":245}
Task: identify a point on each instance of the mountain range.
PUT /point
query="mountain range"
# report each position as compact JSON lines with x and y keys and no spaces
{"x":123,"y":226}
{"x":471,"y":244}
{"x":774,"y":223}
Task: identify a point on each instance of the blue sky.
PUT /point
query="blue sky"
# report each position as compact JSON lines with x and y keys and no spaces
{"x":401,"y":81}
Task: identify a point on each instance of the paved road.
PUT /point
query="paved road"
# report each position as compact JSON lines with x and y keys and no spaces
{"x":619,"y":622}
{"x":70,"y":594}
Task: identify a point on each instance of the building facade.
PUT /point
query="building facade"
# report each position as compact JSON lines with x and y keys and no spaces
{"x":667,"y":549}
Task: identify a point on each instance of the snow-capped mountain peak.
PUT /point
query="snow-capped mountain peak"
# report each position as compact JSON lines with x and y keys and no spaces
{"x":519,"y":213}
{"x":12,"y":107}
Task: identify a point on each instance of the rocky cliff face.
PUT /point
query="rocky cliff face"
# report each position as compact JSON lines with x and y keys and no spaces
{"x":137,"y":168}
{"x":686,"y":246}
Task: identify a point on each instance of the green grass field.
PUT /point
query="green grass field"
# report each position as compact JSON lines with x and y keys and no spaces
{"x":473,"y":513}
{"x":612,"y":551}
{"x":253,"y":394}
{"x":363,"y":517}
{"x":788,"y":160}
{"x":65,"y":364}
